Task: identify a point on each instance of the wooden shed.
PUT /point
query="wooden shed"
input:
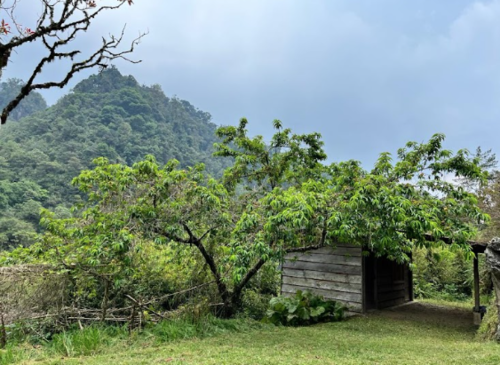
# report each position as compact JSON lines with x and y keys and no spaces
{"x":345,"y":275}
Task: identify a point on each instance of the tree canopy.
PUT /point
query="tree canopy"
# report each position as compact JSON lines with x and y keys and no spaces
{"x":276,"y":198}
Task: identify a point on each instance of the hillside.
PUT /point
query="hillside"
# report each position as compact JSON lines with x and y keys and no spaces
{"x":108,"y":115}
{"x":31,"y":104}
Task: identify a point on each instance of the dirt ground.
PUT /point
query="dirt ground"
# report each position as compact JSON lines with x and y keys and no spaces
{"x":431,"y":314}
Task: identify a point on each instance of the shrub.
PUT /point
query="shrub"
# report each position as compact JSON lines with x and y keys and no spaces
{"x":489,"y":325}
{"x":303,"y":309}
{"x":443,"y":274}
{"x":254,"y":305}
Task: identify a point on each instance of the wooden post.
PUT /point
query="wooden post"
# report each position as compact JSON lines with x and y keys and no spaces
{"x":410,"y":278}
{"x":363,"y":283}
{"x":477,"y":304}
{"x":375,"y":281}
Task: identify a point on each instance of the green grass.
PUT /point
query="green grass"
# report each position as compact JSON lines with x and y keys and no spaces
{"x":465,"y":304}
{"x":380,"y":338}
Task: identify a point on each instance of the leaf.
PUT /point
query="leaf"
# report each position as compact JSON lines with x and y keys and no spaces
{"x":316,"y":312}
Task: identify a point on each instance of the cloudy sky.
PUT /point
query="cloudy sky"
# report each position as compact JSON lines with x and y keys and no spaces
{"x":368,"y":75}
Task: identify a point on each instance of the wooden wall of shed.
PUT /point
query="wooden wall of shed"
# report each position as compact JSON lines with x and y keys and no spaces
{"x":335,"y":274}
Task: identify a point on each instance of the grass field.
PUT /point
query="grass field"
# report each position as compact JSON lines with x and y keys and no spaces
{"x":414,"y":334}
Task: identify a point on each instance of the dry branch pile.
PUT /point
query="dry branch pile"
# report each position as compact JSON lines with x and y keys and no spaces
{"x":29,"y":291}
{"x":40,"y":292}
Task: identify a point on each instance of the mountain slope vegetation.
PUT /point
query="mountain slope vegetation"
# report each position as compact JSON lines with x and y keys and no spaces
{"x":107,"y":115}
{"x":31,"y":104}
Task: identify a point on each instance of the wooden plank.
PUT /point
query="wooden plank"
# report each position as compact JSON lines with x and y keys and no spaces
{"x":357,"y":255}
{"x":346,"y":245}
{"x":319,"y":275}
{"x":327,"y":259}
{"x":323,"y":284}
{"x":477,"y":302}
{"x":315,"y":266}
{"x":363,"y":285}
{"x":409,"y":282}
{"x":342,"y":251}
{"x":330,"y":294}
{"x":351,"y":306}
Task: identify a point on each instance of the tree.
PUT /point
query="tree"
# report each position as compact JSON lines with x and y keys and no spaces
{"x":60,"y":23}
{"x":20,"y":205}
{"x":276,"y":198}
{"x":489,"y":201}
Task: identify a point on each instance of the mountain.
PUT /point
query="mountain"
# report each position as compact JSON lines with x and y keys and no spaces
{"x":108,"y":115}
{"x":31,"y":104}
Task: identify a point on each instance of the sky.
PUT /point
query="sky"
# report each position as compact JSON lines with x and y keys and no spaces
{"x":368,"y":75}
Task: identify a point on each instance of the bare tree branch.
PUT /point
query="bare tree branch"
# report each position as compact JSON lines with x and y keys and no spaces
{"x":60,"y":23}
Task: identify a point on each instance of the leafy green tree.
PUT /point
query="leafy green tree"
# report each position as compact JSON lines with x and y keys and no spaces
{"x":20,"y":205}
{"x":277,"y":198}
{"x":15,"y":232}
{"x":489,"y":200}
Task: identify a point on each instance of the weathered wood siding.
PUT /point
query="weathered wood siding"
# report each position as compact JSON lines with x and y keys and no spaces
{"x":335,"y":274}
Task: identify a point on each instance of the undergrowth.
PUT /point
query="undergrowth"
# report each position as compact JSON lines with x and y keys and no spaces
{"x":489,"y":326}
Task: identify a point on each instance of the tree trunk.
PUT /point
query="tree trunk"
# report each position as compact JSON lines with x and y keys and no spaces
{"x":230,"y":305}
{"x":232,"y":301}
{"x":3,"y":331}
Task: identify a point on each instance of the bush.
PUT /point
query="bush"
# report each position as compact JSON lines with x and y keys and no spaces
{"x":489,"y":326}
{"x":303,"y":309}
{"x":443,"y":274}
{"x":254,"y":305}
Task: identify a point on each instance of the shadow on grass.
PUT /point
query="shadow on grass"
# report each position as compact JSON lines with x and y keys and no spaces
{"x":428,"y":315}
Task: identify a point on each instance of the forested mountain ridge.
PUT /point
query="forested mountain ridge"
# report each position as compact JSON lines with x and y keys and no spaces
{"x":108,"y":115}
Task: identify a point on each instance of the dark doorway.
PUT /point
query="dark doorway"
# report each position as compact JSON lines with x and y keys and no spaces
{"x":387,"y":283}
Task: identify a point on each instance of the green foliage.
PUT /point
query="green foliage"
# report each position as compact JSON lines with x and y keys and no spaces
{"x":442,"y":274}
{"x":31,"y":104}
{"x":16,"y":232}
{"x":287,"y":159}
{"x":276,"y":198}
{"x":489,"y":326}
{"x":20,"y":205}
{"x":107,"y":115}
{"x":10,"y":355}
{"x":303,"y":309}
{"x":383,"y":338}
{"x":85,"y":342}
{"x":207,"y":326}
{"x":97,"y":339}
{"x":254,"y":304}
{"x":399,"y":215}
